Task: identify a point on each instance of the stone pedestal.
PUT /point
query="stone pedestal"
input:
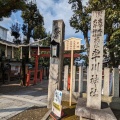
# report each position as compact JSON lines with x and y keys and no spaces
{"x":89,"y":113}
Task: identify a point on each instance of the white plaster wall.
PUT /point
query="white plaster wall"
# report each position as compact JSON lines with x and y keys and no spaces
{"x":3,"y":33}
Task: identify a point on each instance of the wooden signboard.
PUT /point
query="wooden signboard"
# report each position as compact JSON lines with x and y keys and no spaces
{"x":72,"y":44}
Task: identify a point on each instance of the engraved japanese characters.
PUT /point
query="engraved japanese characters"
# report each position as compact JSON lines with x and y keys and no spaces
{"x":95,"y":60}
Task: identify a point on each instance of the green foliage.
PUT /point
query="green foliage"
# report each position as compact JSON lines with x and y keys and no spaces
{"x":81,"y":22}
{"x":15,"y":31}
{"x":17,"y":54}
{"x":46,"y":42}
{"x":33,"y":22}
{"x":9,"y":6}
{"x":33,"y":25}
{"x":112,"y":26}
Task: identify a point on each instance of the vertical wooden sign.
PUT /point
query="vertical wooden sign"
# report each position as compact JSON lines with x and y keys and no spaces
{"x":95,"y":60}
{"x":72,"y":44}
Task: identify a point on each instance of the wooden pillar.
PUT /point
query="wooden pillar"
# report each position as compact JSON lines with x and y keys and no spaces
{"x":36,"y":69}
{"x":29,"y":52}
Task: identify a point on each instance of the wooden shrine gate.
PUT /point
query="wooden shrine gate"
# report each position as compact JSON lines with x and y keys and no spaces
{"x":35,"y":50}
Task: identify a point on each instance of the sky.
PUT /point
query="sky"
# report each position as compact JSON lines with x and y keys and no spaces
{"x":50,"y":10}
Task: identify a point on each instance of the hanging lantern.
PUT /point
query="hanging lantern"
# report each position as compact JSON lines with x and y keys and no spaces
{"x":54,"y":49}
{"x":29,"y":52}
{"x":6,"y":51}
{"x":21,"y":53}
{"x":12,"y":52}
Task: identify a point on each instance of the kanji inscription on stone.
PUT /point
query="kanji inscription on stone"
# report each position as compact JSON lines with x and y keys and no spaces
{"x":95,"y":60}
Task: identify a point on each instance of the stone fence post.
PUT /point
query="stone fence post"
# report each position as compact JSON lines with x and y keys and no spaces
{"x":65,"y":77}
{"x":106,"y":82}
{"x":80,"y":82}
{"x":115,"y":82}
{"x":73,"y":80}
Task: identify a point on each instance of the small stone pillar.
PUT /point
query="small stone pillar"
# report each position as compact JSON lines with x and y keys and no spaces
{"x":80,"y":82}
{"x":65,"y":77}
{"x":106,"y":81}
{"x":115,"y":82}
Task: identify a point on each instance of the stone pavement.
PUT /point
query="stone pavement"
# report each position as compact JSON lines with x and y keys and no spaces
{"x":12,"y":103}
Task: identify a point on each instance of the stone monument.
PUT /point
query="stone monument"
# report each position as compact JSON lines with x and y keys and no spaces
{"x":91,"y":108}
{"x":94,"y":81}
{"x":56,"y":63}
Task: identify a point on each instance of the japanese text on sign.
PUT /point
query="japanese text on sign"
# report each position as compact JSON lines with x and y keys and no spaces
{"x":72,"y":44}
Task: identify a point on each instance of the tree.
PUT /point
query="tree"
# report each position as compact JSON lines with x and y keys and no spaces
{"x":81,"y":22}
{"x":112,"y":25}
{"x":33,"y":25}
{"x":33,"y":22}
{"x":15,"y":31}
{"x":9,"y":6}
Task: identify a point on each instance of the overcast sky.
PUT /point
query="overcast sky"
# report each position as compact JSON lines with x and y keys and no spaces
{"x":50,"y":10}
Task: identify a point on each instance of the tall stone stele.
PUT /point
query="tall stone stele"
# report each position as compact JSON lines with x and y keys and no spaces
{"x":94,"y":81}
{"x":56,"y":63}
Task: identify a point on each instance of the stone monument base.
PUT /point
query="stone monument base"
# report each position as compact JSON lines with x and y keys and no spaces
{"x":86,"y":113}
{"x":113,"y":102}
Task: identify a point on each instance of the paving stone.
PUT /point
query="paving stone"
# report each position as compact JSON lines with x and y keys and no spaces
{"x":18,"y":101}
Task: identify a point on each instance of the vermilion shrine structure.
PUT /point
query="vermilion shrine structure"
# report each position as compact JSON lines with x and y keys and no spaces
{"x":35,"y":54}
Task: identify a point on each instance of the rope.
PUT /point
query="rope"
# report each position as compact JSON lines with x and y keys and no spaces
{"x":17,"y":46}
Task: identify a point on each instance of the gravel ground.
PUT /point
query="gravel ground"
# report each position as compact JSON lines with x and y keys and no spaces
{"x":33,"y":113}
{"x":37,"y":113}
